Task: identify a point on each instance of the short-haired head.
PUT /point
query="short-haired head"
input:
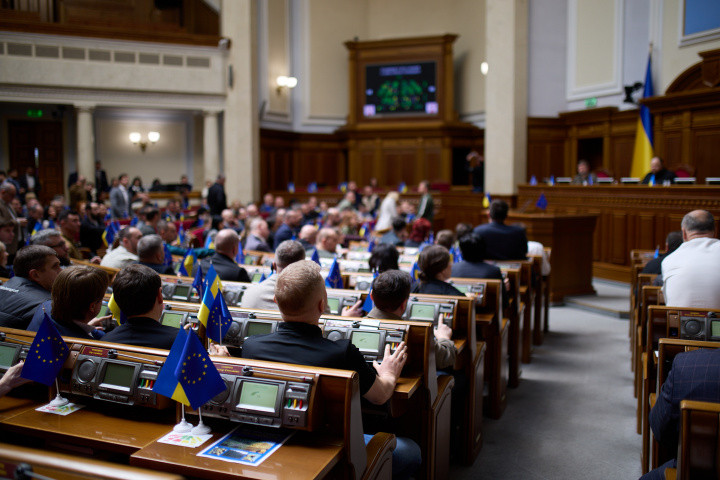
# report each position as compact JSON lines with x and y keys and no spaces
{"x":391,"y":289}
{"x":384,"y":257}
{"x":289,"y":251}
{"x":446,"y":238}
{"x":472,"y":248}
{"x":226,"y":241}
{"x":149,"y":247}
{"x":75,"y":290}
{"x":498,"y":210}
{"x":699,"y":223}
{"x":135,"y":289}
{"x":433,"y":260}
{"x":48,"y":237}
{"x":32,"y":257}
{"x":300,"y":291}
{"x":673,"y":240}
{"x":398,"y":224}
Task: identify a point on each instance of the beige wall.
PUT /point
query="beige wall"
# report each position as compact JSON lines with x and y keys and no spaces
{"x":278,"y":49}
{"x":675,"y":59}
{"x":595,"y":60}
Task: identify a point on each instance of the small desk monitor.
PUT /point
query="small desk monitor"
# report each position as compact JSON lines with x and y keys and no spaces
{"x":117,"y":376}
{"x":256,"y":277}
{"x":714,"y":333}
{"x":334,"y":305}
{"x":366,"y":342}
{"x":423,"y":311}
{"x":7,"y":355}
{"x":182,"y":292}
{"x":173,"y":319}
{"x":260,"y":397}
{"x":104,"y":310}
{"x":258,"y":328}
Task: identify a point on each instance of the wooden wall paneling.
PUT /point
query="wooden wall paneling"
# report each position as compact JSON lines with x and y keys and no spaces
{"x":619,"y":239}
{"x":706,"y":146}
{"x":645,"y":231}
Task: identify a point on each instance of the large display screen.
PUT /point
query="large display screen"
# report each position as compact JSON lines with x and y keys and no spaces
{"x":420,"y":311}
{"x":366,"y":341}
{"x":172,"y":319}
{"x":258,"y":396}
{"x":258,"y":328}
{"x":118,"y":374}
{"x":400,"y":89}
{"x":7,"y":355}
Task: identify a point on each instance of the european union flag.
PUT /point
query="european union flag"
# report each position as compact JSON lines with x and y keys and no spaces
{"x":168,"y":255}
{"x":415,"y":271}
{"x":196,"y":373}
{"x":46,"y":355}
{"x":552,"y":180}
{"x":542,"y":202}
{"x":218,"y":319}
{"x":291,"y":187}
{"x":315,"y":256}
{"x":657,"y":252}
{"x":134,"y":220}
{"x":457,"y":255}
{"x":198,"y":283}
{"x":334,"y":278}
{"x":371,"y":245}
{"x":533,"y":180}
{"x":312,"y":187}
{"x":181,"y":234}
{"x":186,"y":266}
{"x":240,"y":257}
{"x":51,"y":224}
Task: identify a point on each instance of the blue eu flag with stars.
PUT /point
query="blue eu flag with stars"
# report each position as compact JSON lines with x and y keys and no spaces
{"x":197,"y":374}
{"x":315,"y":257}
{"x":334,"y":278}
{"x":542,"y":202}
{"x":46,"y":355}
{"x":219,"y":320}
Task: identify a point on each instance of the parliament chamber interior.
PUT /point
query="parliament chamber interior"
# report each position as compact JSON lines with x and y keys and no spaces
{"x":169,"y":166}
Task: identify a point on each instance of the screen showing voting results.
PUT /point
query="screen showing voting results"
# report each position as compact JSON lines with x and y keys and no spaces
{"x":258,"y":396}
{"x":118,"y":374}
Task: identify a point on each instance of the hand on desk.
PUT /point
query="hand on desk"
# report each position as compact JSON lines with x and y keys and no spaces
{"x":387,"y":374}
{"x":12,"y":378}
{"x":216,"y":350}
{"x":354,"y":311}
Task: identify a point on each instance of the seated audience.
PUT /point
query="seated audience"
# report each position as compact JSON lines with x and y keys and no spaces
{"x":398,"y":234}
{"x":584,"y":176}
{"x":502,"y":242}
{"x":152,"y":254}
{"x":35,"y":267}
{"x":327,"y":241}
{"x":5,"y":272}
{"x":301,"y":297}
{"x":126,"y":251}
{"x":384,"y":257}
{"x":308,"y":236}
{"x":137,"y":290}
{"x":658,"y":175}
{"x":257,"y":239}
{"x":446,"y":238}
{"x":92,"y":227}
{"x":77,"y":296}
{"x":472,"y":248}
{"x":691,"y":274}
{"x":420,"y":231}
{"x":149,"y":219}
{"x":7,"y":193}
{"x":69,"y":223}
{"x":435,"y":264}
{"x":672,"y":242}
{"x":261,"y":295}
{"x":694,"y":375}
{"x":168,"y":232}
{"x":290,"y":227}
{"x":53,"y":239}
{"x":267,"y":208}
{"x":390,"y":293}
{"x":227,"y":244}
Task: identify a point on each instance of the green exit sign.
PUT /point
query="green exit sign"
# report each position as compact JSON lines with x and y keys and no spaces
{"x":591,"y":102}
{"x":34,"y":113}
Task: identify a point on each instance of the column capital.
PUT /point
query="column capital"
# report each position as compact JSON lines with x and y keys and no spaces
{"x":211,"y":113}
{"x":85,"y":107}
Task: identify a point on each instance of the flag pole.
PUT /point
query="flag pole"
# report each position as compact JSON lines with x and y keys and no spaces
{"x":59,"y":400}
{"x":183,"y":426}
{"x":201,"y":428}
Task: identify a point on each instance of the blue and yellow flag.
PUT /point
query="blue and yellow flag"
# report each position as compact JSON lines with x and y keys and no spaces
{"x":371,"y":245}
{"x":240,"y":257}
{"x":368,"y":305}
{"x":197,"y":374}
{"x":36,"y":228}
{"x":114,"y":308}
{"x":291,"y":187}
{"x":486,"y":200}
{"x":198,"y":282}
{"x":315,"y":257}
{"x":210,"y":242}
{"x":187,"y":264}
{"x":168,"y":256}
{"x":212,"y":288}
{"x":415,"y":271}
{"x":46,"y":355}
{"x":167,"y":383}
{"x":402,"y":188}
{"x":109,"y":234}
{"x":334,"y":278}
{"x":643,"y":152}
{"x":218,"y":319}
{"x":312,"y":187}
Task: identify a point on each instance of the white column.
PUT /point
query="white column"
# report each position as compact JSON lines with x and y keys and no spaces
{"x":241,"y":134}
{"x":506,"y":95}
{"x":211,"y":145}
{"x":85,"y":142}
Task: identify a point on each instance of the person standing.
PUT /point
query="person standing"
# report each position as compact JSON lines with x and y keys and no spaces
{"x":120,"y":198}
{"x":217,"y":201}
{"x":476,"y":165}
{"x":426,"y":209}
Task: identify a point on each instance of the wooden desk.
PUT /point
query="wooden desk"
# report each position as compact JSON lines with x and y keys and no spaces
{"x":304,"y":456}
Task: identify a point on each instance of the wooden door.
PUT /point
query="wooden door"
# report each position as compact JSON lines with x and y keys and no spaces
{"x":38,"y":144}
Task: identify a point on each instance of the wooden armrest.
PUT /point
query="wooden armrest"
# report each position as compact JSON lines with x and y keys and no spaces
{"x":406,"y":387}
{"x":460,"y":344}
{"x":670,"y":473}
{"x":484,"y":318}
{"x":379,"y":454}
{"x":653,"y":399}
{"x":445,"y":385}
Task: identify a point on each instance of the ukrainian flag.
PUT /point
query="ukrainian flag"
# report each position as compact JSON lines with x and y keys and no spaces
{"x":486,"y":200}
{"x":212,"y":287}
{"x":114,"y":308}
{"x":643,"y":152}
{"x":186,"y":266}
{"x":167,"y":383}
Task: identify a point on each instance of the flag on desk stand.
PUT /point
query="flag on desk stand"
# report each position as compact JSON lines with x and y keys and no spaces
{"x":551,"y":182}
{"x":533,"y":180}
{"x":262,"y":277}
{"x":371,"y":245}
{"x":657,"y":252}
{"x":134,"y":220}
{"x":46,"y":355}
{"x":315,"y":257}
{"x":486,"y":200}
{"x":643,"y":151}
{"x":210,"y":242}
{"x":291,"y":187}
{"x":187,"y":264}
{"x":181,"y":234}
{"x":36,"y":228}
{"x":457,"y":255}
{"x":217,"y":319}
{"x":415,"y":271}
{"x":198,"y":283}
{"x":542,"y":202}
{"x":117,"y":314}
{"x":368,"y":305}
{"x":168,"y":256}
{"x":109,"y":234}
{"x":334,"y":278}
{"x":312,"y":187}
{"x":342,"y":186}
{"x":402,"y":188}
{"x":240,"y":257}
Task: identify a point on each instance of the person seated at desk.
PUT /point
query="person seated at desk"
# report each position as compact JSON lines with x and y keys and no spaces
{"x":257,"y":239}
{"x":301,"y":296}
{"x":227,"y":245}
{"x":654,"y":266}
{"x":502,"y":242}
{"x":5,"y":272}
{"x":261,"y":295}
{"x":290,"y":227}
{"x":327,"y":241}
{"x":390,"y":293}
{"x":77,"y":296}
{"x":384,"y":256}
{"x":584,"y":175}
{"x":472,"y":265}
{"x":152,"y":254}
{"x":419,"y":234}
{"x":36,"y":267}
{"x":137,"y":290}
{"x":436,"y":265}
{"x":12,"y":378}
{"x":308,"y":236}
{"x":658,"y":175}
{"x":691,"y":274}
{"x":53,"y":239}
{"x":398,"y":234}
{"x":126,"y":251}
{"x":694,"y":375}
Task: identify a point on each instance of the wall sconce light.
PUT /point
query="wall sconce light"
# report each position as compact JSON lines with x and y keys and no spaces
{"x":283,"y":81}
{"x":136,"y":138}
{"x":484,"y":68}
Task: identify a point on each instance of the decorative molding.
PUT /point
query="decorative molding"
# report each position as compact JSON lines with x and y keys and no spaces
{"x":476,"y":118}
{"x":693,"y":38}
{"x":614,"y":87}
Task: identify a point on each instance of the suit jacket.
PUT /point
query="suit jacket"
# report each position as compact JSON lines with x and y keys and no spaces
{"x":260,"y":295}
{"x":160,"y":268}
{"x":436,"y":287}
{"x":101,"y":183}
{"x":426,"y":207}
{"x":694,"y":375}
{"x":23,"y":181}
{"x":285,"y":232}
{"x":257,"y":244}
{"x":19,"y":298}
{"x":216,"y":199}
{"x":118,"y":206}
{"x":476,"y":270}
{"x":503,"y":242}
{"x":226,"y":268}
{"x":660,"y":177}
{"x":143,"y":332}
{"x":65,"y":329}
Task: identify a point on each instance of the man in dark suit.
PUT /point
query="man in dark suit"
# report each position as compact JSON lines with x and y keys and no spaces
{"x":694,"y":375}
{"x":101,"y":182}
{"x":137,"y":290}
{"x":290,"y":228}
{"x":472,"y":265}
{"x":29,"y":183}
{"x":658,"y":175}
{"x":426,"y":207}
{"x":227,"y":244}
{"x":502,"y":242}
{"x":672,"y":242}
{"x":152,"y":254}
{"x":217,"y":201}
